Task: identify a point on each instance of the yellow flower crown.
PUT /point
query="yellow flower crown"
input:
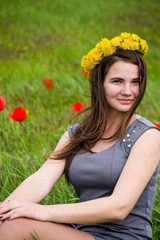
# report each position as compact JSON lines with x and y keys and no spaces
{"x":107,"y":47}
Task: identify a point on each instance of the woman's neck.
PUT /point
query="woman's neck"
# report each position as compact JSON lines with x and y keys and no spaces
{"x":114,"y":119}
{"x":114,"y":122}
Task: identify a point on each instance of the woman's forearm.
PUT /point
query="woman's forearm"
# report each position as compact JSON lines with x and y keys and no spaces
{"x":37,"y":186}
{"x":89,"y":212}
{"x":29,"y":190}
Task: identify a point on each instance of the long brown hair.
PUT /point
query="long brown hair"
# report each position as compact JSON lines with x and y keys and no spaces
{"x":91,"y":128}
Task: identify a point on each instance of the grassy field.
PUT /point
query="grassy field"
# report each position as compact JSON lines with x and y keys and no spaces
{"x":47,"y":39}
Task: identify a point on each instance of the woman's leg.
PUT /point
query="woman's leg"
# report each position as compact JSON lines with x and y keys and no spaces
{"x":1,"y":223}
{"x":22,"y":228}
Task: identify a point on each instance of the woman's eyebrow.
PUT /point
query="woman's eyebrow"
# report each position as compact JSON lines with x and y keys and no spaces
{"x":116,"y":78}
{"x":137,"y":78}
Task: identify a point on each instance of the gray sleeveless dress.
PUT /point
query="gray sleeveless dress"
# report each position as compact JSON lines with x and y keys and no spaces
{"x":94,"y":175}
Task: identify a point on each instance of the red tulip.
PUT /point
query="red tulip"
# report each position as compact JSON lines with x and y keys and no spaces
{"x":48,"y":83}
{"x":78,"y":106}
{"x":2,"y":103}
{"x":19,"y":114}
{"x":85,"y":73}
{"x":157,"y":124}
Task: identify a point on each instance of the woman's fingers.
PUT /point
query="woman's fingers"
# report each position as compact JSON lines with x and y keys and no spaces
{"x":11,"y":215}
{"x":7,"y":206}
{"x":14,"y":209}
{"x":8,"y":209}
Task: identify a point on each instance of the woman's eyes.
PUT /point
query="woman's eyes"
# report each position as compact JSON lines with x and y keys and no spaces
{"x":117,"y":81}
{"x":137,"y":81}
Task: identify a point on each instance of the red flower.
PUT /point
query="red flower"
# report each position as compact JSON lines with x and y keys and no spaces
{"x":48,"y":83}
{"x":2,"y":103}
{"x":78,"y":106}
{"x":19,"y":114}
{"x":19,"y":99}
{"x":157,"y":124}
{"x":85,"y":73}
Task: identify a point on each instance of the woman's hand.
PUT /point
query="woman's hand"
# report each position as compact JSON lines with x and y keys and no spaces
{"x":14,"y":209}
{"x":0,"y":219}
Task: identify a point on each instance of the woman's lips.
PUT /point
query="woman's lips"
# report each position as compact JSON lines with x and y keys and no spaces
{"x":125,"y":101}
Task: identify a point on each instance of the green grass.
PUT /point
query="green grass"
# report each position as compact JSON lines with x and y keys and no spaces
{"x":47,"y":39}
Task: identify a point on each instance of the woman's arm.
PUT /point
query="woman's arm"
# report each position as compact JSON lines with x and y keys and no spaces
{"x":38,"y":185}
{"x":138,"y":170}
{"x":140,"y":166}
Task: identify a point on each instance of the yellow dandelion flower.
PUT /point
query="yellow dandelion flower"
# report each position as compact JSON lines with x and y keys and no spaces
{"x":95,"y":55}
{"x":90,"y":65}
{"x":125,"y":35}
{"x":145,"y":51}
{"x":126,"y":44}
{"x":107,"y":47}
{"x":116,"y":41}
{"x":25,"y":48}
{"x":109,"y":51}
{"x":87,"y":63}
{"x":101,"y":44}
{"x":135,"y":37}
{"x":143,"y":44}
{"x":134,"y":46}
{"x":144,"y":47}
{"x":10,"y":44}
{"x":130,"y":39}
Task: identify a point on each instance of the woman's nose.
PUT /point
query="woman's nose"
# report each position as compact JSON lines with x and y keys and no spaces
{"x":126,"y":90}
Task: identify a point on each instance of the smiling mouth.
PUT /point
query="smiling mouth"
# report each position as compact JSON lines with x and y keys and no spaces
{"x":125,"y":101}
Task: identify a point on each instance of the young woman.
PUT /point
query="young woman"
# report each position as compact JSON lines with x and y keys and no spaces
{"x":111,"y":157}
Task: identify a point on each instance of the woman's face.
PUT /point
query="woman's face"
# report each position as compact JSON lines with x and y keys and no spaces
{"x":121,"y":86}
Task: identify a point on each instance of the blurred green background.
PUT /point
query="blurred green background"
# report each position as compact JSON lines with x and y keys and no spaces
{"x":46,"y":39}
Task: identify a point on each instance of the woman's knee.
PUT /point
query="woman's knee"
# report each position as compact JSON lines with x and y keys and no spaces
{"x":24,"y":228}
{"x":15,"y":229}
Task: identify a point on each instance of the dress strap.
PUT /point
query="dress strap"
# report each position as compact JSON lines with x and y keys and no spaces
{"x":72,"y":129}
{"x":136,"y":129}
